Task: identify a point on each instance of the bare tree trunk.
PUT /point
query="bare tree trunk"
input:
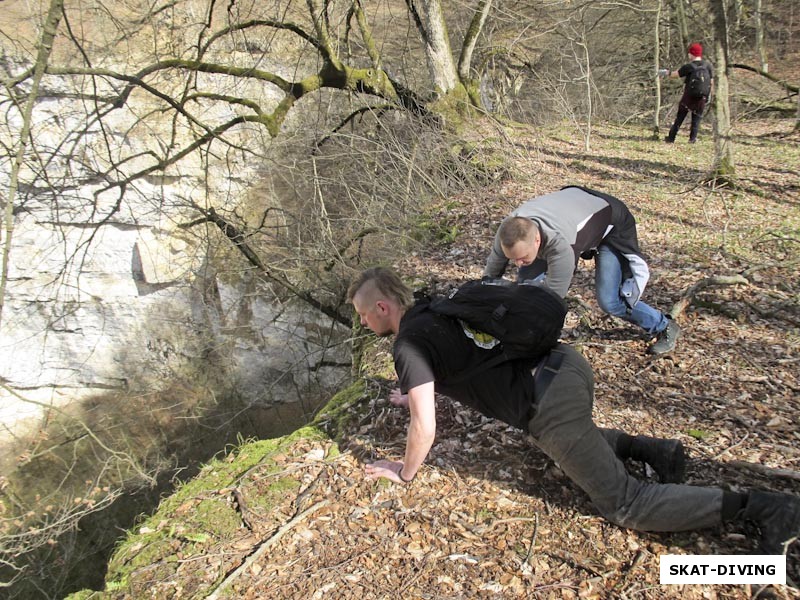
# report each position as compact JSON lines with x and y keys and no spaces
{"x":471,"y":38}
{"x":738,"y":9}
{"x":468,"y":47}
{"x":683,"y":28}
{"x":656,"y":67}
{"x":590,"y":108}
{"x":759,"y":24}
{"x":797,"y":121}
{"x":437,"y":47}
{"x":724,"y":167}
{"x":45,"y":46}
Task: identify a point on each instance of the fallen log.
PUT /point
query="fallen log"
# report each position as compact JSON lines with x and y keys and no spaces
{"x":785,"y":473}
{"x":715,"y":281}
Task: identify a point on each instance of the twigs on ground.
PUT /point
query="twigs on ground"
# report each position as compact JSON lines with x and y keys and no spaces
{"x":533,"y":541}
{"x":572,"y":561}
{"x":729,"y":448}
{"x":266,"y":545}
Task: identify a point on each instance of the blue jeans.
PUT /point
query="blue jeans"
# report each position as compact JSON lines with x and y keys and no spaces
{"x":608,"y":278}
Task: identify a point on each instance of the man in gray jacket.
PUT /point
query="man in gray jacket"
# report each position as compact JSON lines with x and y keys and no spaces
{"x":547,"y":235}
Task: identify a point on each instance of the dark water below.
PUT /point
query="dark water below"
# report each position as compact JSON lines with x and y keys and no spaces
{"x":79,"y":559}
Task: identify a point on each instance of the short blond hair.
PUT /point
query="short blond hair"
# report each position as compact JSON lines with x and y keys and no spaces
{"x":515,"y":229}
{"x":387,"y":282}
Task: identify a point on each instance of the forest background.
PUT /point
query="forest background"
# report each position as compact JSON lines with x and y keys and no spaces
{"x":397,"y":133}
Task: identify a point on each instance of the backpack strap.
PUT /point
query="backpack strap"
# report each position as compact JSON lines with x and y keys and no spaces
{"x":546,"y":371}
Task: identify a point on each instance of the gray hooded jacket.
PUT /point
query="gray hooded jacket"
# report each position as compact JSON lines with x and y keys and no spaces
{"x":572,"y":221}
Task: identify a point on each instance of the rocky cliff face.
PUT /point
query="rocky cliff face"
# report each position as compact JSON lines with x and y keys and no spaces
{"x":107,"y":292}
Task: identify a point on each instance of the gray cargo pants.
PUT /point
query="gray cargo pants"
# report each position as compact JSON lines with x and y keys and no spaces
{"x":562,"y":427}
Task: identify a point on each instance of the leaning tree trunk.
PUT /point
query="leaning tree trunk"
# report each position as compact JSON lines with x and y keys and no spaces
{"x":724,"y":167}
{"x":467,"y":49}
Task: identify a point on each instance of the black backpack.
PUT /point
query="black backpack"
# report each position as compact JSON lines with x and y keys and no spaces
{"x":525,"y":318}
{"x":699,"y":82}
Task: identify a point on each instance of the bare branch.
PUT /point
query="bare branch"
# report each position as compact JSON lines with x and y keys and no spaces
{"x":688,"y":296}
{"x":238,"y":238}
{"x":784,"y":84}
{"x":263,"y":547}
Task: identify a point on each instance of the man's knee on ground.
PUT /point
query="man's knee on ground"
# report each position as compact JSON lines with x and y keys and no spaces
{"x":618,"y":514}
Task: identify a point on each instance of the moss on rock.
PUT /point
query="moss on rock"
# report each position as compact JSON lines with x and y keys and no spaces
{"x":199,"y":515}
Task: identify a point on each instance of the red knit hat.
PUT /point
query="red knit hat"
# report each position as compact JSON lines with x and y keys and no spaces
{"x":696,"y":49}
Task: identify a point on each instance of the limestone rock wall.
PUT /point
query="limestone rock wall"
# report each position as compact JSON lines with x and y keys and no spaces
{"x":107,"y":292}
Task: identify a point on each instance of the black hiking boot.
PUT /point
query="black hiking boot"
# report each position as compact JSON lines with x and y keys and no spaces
{"x":667,"y":339}
{"x":778,"y":517}
{"x":666,"y":457}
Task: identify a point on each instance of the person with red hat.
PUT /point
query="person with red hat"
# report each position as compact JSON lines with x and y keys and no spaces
{"x":698,"y":74}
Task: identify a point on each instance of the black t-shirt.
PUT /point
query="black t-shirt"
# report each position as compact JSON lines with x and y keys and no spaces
{"x":432,"y":347}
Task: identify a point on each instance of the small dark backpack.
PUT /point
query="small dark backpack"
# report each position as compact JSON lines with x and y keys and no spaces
{"x":525,"y":318}
{"x":699,"y":82}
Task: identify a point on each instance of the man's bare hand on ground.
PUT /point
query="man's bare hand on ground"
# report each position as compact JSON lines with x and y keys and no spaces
{"x":384,"y":468}
{"x":398,"y":399}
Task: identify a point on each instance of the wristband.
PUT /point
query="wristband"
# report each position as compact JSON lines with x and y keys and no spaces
{"x":403,"y":479}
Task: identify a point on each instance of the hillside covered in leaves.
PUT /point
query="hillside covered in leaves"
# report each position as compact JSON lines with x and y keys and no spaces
{"x":489,"y":515}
